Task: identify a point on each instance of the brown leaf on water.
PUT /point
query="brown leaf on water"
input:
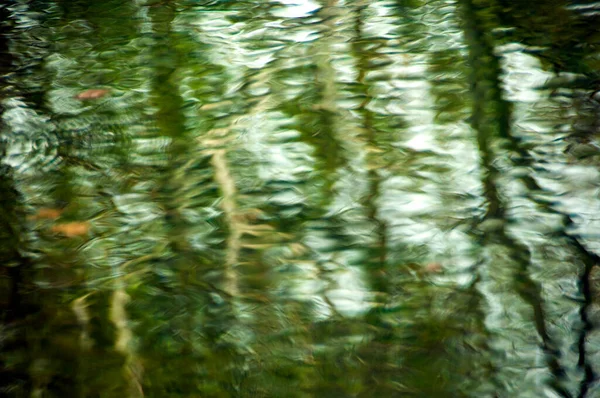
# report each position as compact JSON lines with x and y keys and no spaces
{"x":46,"y":213}
{"x":71,"y":229}
{"x":91,"y":94}
{"x":433,"y":268}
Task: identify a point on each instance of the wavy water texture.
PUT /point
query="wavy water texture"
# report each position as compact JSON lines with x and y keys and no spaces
{"x":298,"y":198}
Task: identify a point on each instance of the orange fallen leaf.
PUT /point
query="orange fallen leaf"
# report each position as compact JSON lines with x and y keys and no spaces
{"x":46,"y":213}
{"x":433,"y":268}
{"x":71,"y":229}
{"x":91,"y":94}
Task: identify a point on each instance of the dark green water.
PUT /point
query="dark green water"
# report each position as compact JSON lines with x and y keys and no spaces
{"x":299,"y":198}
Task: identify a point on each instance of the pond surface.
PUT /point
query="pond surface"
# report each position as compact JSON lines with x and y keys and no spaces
{"x":300,"y":198}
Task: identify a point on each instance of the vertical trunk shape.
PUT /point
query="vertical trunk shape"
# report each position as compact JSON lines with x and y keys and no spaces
{"x":380,"y":355}
{"x":79,"y":307}
{"x":132,"y":368}
{"x":589,"y":259}
{"x":227,"y":184}
{"x":491,"y":121}
{"x":378,"y":260}
{"x":171,"y":121}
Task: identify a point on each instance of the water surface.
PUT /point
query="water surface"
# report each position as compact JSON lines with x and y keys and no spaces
{"x":299,"y":198}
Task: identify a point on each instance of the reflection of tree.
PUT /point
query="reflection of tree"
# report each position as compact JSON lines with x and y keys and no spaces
{"x":447,"y":69}
{"x":565,"y":49}
{"x":521,"y":158}
{"x":562,"y":47}
{"x":183,"y":314}
{"x":287,"y":349}
{"x":365,"y":57}
{"x":314,"y":110}
{"x":381,"y":353}
{"x":491,"y":121}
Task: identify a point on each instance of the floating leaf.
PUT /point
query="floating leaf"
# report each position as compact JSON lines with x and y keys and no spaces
{"x":91,"y":94}
{"x":433,"y":268}
{"x":71,"y":229}
{"x":46,"y":213}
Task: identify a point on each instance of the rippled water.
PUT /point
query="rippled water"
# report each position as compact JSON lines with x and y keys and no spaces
{"x":300,"y":198}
